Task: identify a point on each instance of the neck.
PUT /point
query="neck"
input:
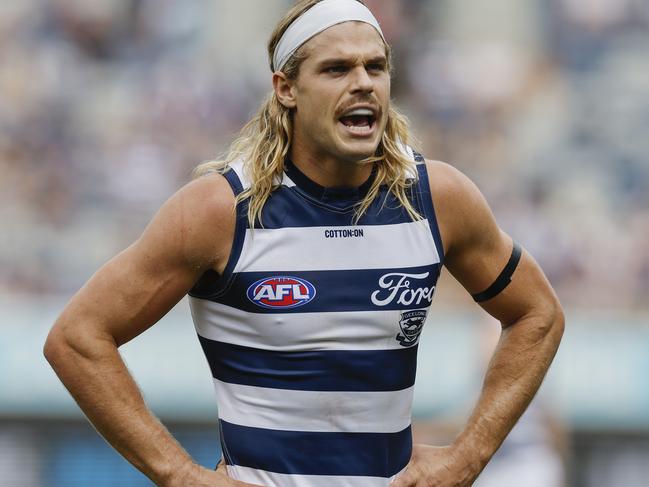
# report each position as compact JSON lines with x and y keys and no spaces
{"x":327,"y":170}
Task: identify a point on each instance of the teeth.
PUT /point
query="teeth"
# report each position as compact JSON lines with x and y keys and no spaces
{"x":363,"y":112}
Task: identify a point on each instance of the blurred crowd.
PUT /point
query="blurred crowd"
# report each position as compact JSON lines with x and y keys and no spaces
{"x":107,"y":105}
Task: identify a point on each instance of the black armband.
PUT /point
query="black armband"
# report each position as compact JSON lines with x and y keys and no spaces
{"x":503,"y":280}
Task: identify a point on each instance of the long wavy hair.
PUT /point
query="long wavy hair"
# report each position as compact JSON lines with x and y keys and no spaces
{"x":264,"y":142}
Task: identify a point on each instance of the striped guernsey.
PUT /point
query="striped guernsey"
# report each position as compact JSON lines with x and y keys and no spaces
{"x":311,"y":332}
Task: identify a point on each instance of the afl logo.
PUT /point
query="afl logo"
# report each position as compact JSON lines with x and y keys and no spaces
{"x":281,"y":292}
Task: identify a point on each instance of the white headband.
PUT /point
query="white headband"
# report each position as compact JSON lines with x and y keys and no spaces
{"x":318,"y":18}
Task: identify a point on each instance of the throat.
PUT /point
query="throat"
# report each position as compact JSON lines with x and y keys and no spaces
{"x":328,"y":171}
{"x":328,"y":184}
{"x":338,"y":162}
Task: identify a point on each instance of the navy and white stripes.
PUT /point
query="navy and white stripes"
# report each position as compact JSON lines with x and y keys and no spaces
{"x":311,"y":337}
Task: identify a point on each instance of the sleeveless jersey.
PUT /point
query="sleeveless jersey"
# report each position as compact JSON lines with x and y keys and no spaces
{"x":311,"y":332}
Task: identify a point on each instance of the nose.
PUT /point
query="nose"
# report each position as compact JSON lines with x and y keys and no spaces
{"x":361,"y":81}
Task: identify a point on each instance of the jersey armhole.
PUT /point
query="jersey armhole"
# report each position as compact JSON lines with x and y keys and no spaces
{"x":427,"y":204}
{"x":212,"y":284}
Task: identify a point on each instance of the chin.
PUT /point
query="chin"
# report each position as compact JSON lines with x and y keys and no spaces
{"x":357,"y":151}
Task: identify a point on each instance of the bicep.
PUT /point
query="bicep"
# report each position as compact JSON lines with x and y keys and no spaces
{"x":136,"y":288}
{"x":478,"y":251}
{"x":128,"y":294}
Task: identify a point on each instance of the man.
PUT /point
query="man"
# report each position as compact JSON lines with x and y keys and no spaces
{"x":311,"y":255}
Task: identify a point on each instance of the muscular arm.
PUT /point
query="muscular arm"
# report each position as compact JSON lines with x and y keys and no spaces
{"x":530,"y":314}
{"x":191,"y":233}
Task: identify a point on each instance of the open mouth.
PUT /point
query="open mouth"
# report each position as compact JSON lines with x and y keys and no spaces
{"x":360,"y":121}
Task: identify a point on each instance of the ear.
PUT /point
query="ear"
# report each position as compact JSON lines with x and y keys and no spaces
{"x":284,"y":89}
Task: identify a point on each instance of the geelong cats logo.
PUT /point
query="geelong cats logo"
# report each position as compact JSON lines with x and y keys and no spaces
{"x":281,"y":292}
{"x":400,"y":288}
{"x":411,"y":324}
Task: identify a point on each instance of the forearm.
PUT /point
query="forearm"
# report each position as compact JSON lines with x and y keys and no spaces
{"x":94,"y":373}
{"x":516,"y":370}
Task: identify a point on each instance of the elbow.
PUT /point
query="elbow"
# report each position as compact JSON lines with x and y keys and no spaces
{"x":543,"y":324}
{"x":56,"y":346}
{"x":67,"y":344}
{"x":558,"y":318}
{"x":70,"y":344}
{"x":553,"y":321}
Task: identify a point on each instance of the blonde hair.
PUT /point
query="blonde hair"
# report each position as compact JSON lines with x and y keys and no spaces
{"x":264,"y":142}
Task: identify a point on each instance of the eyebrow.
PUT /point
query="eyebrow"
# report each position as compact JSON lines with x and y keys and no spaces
{"x":349,"y":60}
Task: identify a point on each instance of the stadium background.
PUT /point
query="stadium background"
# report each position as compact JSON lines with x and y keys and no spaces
{"x":107,"y":105}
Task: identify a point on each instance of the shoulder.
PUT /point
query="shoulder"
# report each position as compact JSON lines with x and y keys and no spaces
{"x":206,"y":197}
{"x":461,"y":209}
{"x":198,"y":221}
{"x":448,"y":182}
{"x":205,"y":203}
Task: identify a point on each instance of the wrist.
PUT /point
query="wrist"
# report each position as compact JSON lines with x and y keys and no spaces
{"x":178,"y":475}
{"x":473,"y":453}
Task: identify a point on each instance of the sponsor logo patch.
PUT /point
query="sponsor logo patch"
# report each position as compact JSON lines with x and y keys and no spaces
{"x":411,"y":324}
{"x":404,"y":289}
{"x":346,"y":233}
{"x":281,"y":292}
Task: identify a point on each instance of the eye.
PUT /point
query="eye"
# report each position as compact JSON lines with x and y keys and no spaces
{"x":377,"y":67}
{"x":339,"y":69}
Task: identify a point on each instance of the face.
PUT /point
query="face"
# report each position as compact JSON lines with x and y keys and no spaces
{"x":341,"y":95}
